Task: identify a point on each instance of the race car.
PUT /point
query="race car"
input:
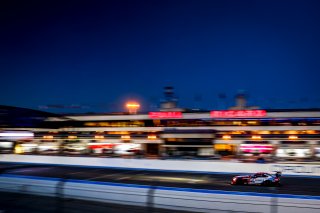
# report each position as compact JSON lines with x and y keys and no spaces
{"x":260,"y":178}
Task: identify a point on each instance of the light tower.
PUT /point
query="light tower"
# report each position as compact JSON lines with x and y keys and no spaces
{"x":132,"y":107}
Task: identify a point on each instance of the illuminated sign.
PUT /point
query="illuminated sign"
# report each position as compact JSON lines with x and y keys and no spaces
{"x":237,"y":113}
{"x":165,"y":114}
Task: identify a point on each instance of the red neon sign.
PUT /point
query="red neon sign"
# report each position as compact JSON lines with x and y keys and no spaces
{"x":165,"y":114}
{"x":237,"y":113}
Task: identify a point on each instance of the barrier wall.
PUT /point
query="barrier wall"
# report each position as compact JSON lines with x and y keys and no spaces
{"x":161,"y":197}
{"x":169,"y":165}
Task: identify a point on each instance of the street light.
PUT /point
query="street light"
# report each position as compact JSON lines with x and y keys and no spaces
{"x":132,"y":107}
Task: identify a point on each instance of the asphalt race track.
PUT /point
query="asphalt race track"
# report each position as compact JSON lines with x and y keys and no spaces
{"x":290,"y":185}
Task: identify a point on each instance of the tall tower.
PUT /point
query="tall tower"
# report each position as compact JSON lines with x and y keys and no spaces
{"x":241,"y":100}
{"x":170,"y":100}
{"x":168,"y":93}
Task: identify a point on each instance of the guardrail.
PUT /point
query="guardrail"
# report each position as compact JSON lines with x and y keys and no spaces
{"x":168,"y":165}
{"x":151,"y":197}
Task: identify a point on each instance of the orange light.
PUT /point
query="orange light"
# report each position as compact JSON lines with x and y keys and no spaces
{"x":152,"y":137}
{"x":125,"y":137}
{"x":226,"y":137}
{"x":293,"y":137}
{"x":132,"y":107}
{"x":291,"y":132}
{"x":48,"y":137}
{"x":72,"y":137}
{"x":256,"y":137}
{"x":118,"y":132}
{"x":252,"y":122}
{"x":98,"y":137}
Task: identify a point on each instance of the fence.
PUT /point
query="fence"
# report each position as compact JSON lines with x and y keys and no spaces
{"x":152,"y":197}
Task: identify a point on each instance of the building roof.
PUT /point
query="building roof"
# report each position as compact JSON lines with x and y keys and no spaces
{"x":11,"y":116}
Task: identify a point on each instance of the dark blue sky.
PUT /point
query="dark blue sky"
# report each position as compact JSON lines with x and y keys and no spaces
{"x":101,"y":53}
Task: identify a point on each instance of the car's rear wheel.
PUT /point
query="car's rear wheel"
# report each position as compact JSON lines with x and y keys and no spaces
{"x":278,"y":184}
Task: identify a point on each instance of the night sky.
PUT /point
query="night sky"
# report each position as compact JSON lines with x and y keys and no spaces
{"x":98,"y":54}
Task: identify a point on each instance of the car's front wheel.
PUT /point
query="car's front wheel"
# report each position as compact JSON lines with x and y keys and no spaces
{"x":239,"y":182}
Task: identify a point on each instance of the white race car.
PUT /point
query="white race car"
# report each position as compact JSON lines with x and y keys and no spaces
{"x":260,"y":178}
